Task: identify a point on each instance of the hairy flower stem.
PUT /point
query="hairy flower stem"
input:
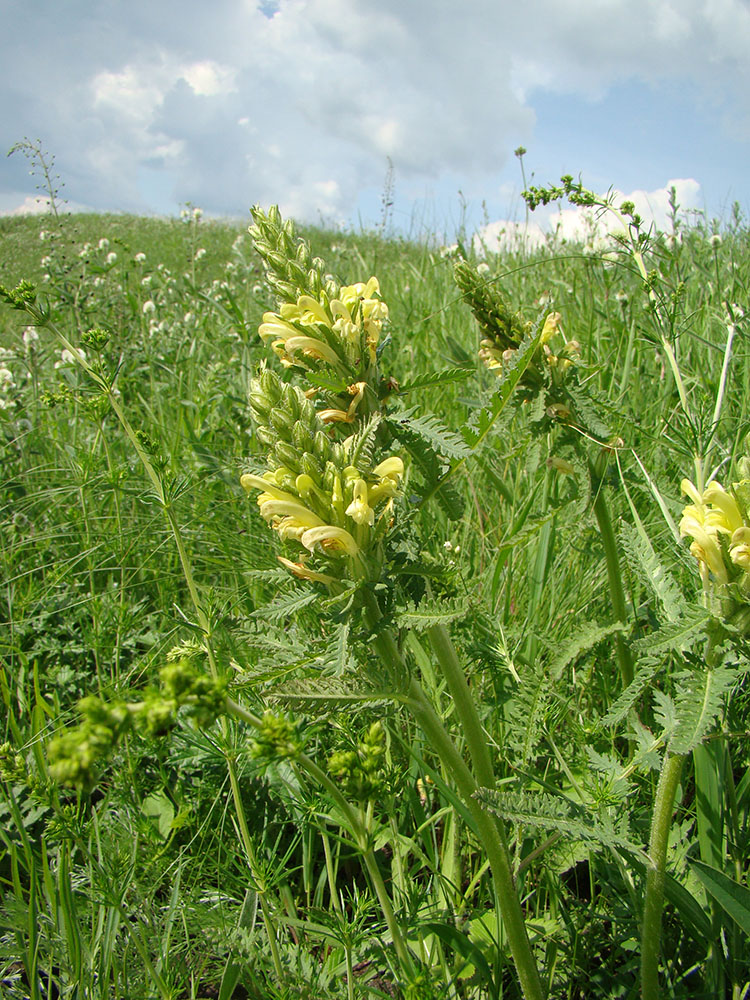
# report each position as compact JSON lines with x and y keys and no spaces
{"x":616,"y":589}
{"x":490,"y":829}
{"x":661,"y":820}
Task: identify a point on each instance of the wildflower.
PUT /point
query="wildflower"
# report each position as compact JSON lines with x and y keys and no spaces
{"x":68,"y":358}
{"x":483,"y":268}
{"x":140,"y":258}
{"x":104,"y":243}
{"x":146,"y":282}
{"x":148,"y":307}
{"x":200,"y":253}
{"x":6,"y":378}
{"x":30,"y":337}
{"x":111,"y":257}
{"x":197,"y":214}
{"x":715,"y":241}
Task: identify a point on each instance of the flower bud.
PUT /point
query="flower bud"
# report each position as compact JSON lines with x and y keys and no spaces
{"x":288,"y":455}
{"x":313,"y":468}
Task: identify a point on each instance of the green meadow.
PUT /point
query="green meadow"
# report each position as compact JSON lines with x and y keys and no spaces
{"x":484,"y":734}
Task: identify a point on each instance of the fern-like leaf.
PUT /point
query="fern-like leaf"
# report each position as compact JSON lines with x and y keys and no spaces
{"x":486,"y":418}
{"x":540,"y":809}
{"x":647,"y":566}
{"x":444,"y":443}
{"x":322,"y":692}
{"x":284,"y":605}
{"x":430,"y":379}
{"x":644,"y":674}
{"x":432,"y":612}
{"x":588,"y":635}
{"x":699,"y":703}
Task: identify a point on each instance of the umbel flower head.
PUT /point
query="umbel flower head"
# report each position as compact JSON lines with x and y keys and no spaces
{"x":327,"y":500}
{"x":717,"y":523}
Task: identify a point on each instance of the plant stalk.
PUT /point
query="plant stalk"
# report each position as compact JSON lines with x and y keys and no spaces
{"x":653,"y":903}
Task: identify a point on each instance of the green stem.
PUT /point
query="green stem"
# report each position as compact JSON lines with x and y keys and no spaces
{"x":473,"y":731}
{"x":616,"y":589}
{"x":492,"y":837}
{"x":655,"y":876}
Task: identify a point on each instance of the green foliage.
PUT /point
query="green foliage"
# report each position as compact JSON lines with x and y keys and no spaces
{"x":146,"y":880}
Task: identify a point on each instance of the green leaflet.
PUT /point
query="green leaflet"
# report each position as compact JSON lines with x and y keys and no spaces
{"x":324,"y":691}
{"x":585,"y":638}
{"x":432,"y":612}
{"x":444,"y":377}
{"x":481,"y":426}
{"x":647,"y":566}
{"x":363,"y":442}
{"x":678,"y":636}
{"x":698,"y":704}
{"x":540,"y":809}
{"x":442,"y":442}
{"x":284,"y":605}
{"x":643,"y":677}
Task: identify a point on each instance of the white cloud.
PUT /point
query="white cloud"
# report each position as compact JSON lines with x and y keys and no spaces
{"x":301,"y":101}
{"x":208,"y":79}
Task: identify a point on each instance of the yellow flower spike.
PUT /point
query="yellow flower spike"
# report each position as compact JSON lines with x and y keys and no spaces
{"x":331,"y":539}
{"x":689,"y":490}
{"x":274,"y":326}
{"x":390,"y":468}
{"x":307,"y":304}
{"x":304,"y":485}
{"x":740,"y":555}
{"x":250,"y":482}
{"x":357,"y":391}
{"x":359,"y":509}
{"x":549,"y":329}
{"x":704,"y":547}
{"x":312,"y":347}
{"x":729,"y":519}
{"x":335,"y":417}
{"x":300,"y":570}
{"x":284,"y":508}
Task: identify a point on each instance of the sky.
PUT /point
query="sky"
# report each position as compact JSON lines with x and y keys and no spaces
{"x":326,"y":106}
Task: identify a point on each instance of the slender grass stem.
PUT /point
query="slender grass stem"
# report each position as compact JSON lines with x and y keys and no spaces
{"x":653,"y":903}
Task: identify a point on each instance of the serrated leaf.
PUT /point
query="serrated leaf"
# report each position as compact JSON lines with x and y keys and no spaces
{"x":451,"y":502}
{"x":444,"y":443}
{"x":678,"y":635}
{"x":698,"y":706}
{"x":432,"y":612}
{"x":321,"y":691}
{"x":444,"y":377}
{"x":665,"y":710}
{"x":363,"y":442}
{"x":586,"y":637}
{"x":643,"y":677}
{"x":540,"y":809}
{"x":284,"y":605}
{"x":647,"y":566}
